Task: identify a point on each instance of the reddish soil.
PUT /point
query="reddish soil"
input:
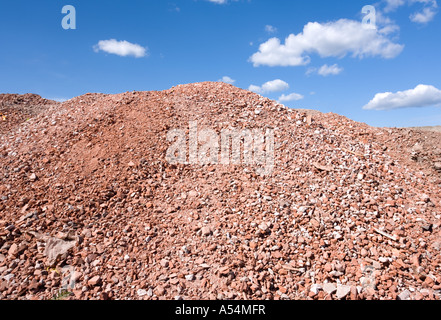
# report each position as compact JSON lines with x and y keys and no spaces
{"x":349,"y":211}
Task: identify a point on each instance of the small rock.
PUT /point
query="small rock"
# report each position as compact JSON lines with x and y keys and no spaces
{"x":263,"y":226}
{"x":75,"y":276}
{"x":33,"y":177}
{"x":95,"y":281}
{"x":340,"y":268}
{"x":164,"y":263}
{"x":315,"y":223}
{"x":437,"y":166}
{"x":57,"y":248}
{"x":13,"y":250}
{"x":315,"y":288}
{"x":193,"y":194}
{"x":343,"y":291}
{"x":35,"y":285}
{"x":141,"y":292}
{"x":328,"y":267}
{"x":8,"y":277}
{"x":364,"y":252}
{"x":206,"y":231}
{"x":159,"y":291}
{"x":405,"y":295}
{"x":329,"y":288}
{"x":224,"y":271}
{"x":189,"y":277}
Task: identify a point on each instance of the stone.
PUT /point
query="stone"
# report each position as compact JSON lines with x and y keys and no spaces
{"x":13,"y":250}
{"x":57,"y":248}
{"x":206,"y":231}
{"x":141,"y":292}
{"x":189,"y":277}
{"x":264,"y":227}
{"x":164,"y":263}
{"x":329,"y":288}
{"x":342,"y":291}
{"x":364,"y":252}
{"x":328,"y":267}
{"x":95,"y":281}
{"x":405,"y":295}
{"x":35,"y":285}
{"x":315,"y":288}
{"x":159,"y":291}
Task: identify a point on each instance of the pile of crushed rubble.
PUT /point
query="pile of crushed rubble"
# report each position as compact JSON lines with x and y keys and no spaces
{"x":16,"y":108}
{"x":90,"y":208}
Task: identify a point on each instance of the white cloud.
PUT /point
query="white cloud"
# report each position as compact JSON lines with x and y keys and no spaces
{"x":218,"y":1}
{"x":255,"y":88}
{"x":121,"y":48}
{"x":227,"y":79}
{"x":270,"y":86}
{"x":424,"y":16}
{"x":270,"y":29}
{"x":421,"y":96}
{"x":332,"y":39}
{"x":392,"y":5}
{"x":59,"y":99}
{"x":326,"y":70}
{"x":290,"y":97}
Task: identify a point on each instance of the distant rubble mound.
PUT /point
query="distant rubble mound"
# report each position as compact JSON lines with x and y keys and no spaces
{"x":17,"y":108}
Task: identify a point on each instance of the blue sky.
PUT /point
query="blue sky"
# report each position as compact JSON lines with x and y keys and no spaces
{"x":316,"y":54}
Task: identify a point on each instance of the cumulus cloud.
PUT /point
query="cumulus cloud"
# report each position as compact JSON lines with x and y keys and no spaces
{"x":218,"y":1}
{"x":332,"y":39}
{"x":227,"y":79}
{"x":421,"y":96}
{"x":270,"y":86}
{"x":290,"y":97}
{"x":270,"y":29}
{"x":121,"y":48}
{"x":424,"y":16}
{"x":326,"y":70}
{"x":392,"y":5}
